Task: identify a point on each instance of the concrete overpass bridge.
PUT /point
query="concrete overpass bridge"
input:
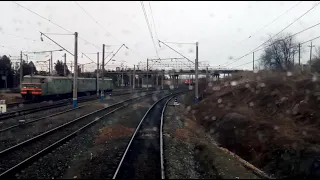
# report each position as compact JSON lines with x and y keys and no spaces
{"x":174,"y":72}
{"x":155,"y":77}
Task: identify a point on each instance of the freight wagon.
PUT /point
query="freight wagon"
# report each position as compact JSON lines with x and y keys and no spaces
{"x":46,"y":87}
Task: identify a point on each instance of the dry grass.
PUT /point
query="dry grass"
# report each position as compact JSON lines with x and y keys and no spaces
{"x":11,"y":97}
{"x":113,"y":132}
{"x":280,"y":114}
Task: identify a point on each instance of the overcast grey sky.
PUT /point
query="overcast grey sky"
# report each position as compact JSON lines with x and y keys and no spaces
{"x":217,"y":26}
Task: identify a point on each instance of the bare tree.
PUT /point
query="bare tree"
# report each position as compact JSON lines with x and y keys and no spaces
{"x":315,"y":63}
{"x":279,"y":52}
{"x":317,"y":56}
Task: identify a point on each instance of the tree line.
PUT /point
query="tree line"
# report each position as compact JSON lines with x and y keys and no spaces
{"x":10,"y":72}
{"x":282,"y":53}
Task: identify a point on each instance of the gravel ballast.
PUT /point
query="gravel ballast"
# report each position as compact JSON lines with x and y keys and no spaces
{"x":190,"y":153}
{"x":67,"y":105}
{"x":23,"y":132}
{"x":95,"y":152}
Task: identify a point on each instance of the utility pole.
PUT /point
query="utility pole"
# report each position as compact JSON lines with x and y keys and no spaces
{"x":97,"y":74}
{"x":70,"y":65}
{"x":299,"y":54}
{"x":162,"y":79}
{"x":27,"y":58}
{"x":310,"y":54}
{"x":157,"y":80}
{"x":102,"y":74}
{"x":21,"y":70}
{"x":134,"y":77}
{"x":122,"y":77}
{"x":75,"y":73}
{"x":147,"y":74}
{"x":207,"y":75}
{"x":253,"y":61}
{"x":196,"y":75}
{"x":65,"y":65}
{"x":51,"y":66}
{"x":293,"y":58}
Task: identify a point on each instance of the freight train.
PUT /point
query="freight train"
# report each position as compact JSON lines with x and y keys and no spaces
{"x":47,"y":87}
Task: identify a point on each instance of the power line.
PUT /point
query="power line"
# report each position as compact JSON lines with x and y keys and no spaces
{"x":265,"y":26}
{"x":290,"y":36}
{"x":276,"y":34}
{"x":179,"y":43}
{"x":146,"y":18}
{"x":154,"y":24}
{"x":52,"y":22}
{"x":274,"y":20}
{"x":104,"y":28}
{"x":310,"y":40}
{"x":95,"y":20}
{"x":246,"y":63}
{"x":28,"y":39}
{"x":289,"y":48}
{"x":10,"y":47}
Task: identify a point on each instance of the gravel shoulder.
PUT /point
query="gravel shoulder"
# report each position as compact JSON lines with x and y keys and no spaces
{"x":95,"y":153}
{"x":190,"y":153}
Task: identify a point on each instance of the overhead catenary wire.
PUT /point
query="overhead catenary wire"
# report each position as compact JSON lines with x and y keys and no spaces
{"x":154,"y":24}
{"x":237,"y":59}
{"x":10,"y":47}
{"x":272,"y":21}
{"x":290,"y":36}
{"x":179,"y":43}
{"x":28,"y":39}
{"x":52,"y":22}
{"x":83,"y":9}
{"x":148,"y":24}
{"x":278,"y":17}
{"x":246,"y":63}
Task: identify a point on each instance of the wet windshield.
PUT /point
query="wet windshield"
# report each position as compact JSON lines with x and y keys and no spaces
{"x":154,"y":89}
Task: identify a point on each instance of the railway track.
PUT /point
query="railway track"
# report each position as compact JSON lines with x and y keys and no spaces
{"x":21,"y":112}
{"x":143,"y":156}
{"x":17,"y":104}
{"x":30,"y":123}
{"x":11,"y":105}
{"x":19,"y":156}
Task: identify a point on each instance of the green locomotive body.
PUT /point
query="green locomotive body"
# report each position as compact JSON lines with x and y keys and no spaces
{"x":39,"y":87}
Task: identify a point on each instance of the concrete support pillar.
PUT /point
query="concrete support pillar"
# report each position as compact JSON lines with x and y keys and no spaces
{"x":142,"y":81}
{"x":157,"y":80}
{"x":177,"y":81}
